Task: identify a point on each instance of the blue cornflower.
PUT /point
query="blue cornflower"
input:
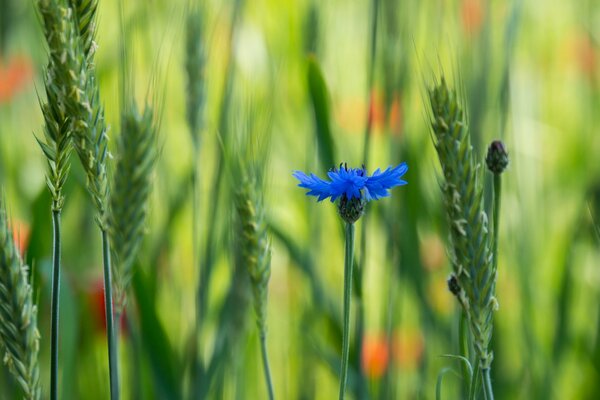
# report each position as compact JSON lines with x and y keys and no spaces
{"x":353,"y":183}
{"x":352,"y":186}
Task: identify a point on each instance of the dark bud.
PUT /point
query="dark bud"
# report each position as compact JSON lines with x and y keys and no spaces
{"x":453,"y":285}
{"x":351,"y":210}
{"x":497,"y":157}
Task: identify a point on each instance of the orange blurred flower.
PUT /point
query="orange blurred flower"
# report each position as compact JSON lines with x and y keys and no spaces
{"x":407,"y":347}
{"x":351,"y":114}
{"x":14,"y":76}
{"x":396,"y":116}
{"x":587,"y":57}
{"x":375,"y":355}
{"x":472,"y":16}
{"x":21,"y":233}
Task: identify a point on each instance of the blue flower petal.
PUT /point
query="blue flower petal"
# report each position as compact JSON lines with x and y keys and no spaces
{"x":379,"y":183}
{"x":318,"y":187}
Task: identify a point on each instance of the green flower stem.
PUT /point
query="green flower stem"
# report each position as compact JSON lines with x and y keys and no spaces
{"x":487,"y":384}
{"x":267,"y":369}
{"x":110,"y":329}
{"x":496,"y":216}
{"x":55,"y":305}
{"x":485,"y":373}
{"x":349,"y":255}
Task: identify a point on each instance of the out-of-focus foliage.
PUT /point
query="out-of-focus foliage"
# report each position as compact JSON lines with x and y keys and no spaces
{"x":530,"y":74}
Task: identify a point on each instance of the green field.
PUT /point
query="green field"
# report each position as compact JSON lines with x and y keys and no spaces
{"x":208,"y":107}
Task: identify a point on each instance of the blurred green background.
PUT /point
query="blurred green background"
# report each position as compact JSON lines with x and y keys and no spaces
{"x":529,"y":72}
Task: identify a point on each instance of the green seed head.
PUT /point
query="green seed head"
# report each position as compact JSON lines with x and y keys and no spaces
{"x":351,"y":210}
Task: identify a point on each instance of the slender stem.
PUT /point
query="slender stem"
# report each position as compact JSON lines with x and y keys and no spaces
{"x":475,"y":381}
{"x":349,"y":255}
{"x":463,"y":343}
{"x":487,"y":384}
{"x":110,"y":328}
{"x":496,"y":216}
{"x":55,"y":305}
{"x":267,"y":369}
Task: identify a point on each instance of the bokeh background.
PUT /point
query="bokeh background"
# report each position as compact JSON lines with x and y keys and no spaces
{"x":529,"y":73}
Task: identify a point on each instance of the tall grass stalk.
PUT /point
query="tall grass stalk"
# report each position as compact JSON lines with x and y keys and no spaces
{"x":19,"y":336}
{"x":256,"y":251}
{"x":70,"y":28}
{"x":348,"y":266}
{"x":56,"y":146}
{"x":474,"y":277}
{"x":195,"y":100}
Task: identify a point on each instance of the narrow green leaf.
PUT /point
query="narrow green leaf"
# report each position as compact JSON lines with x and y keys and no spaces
{"x":319,"y":96}
{"x":155,"y":342}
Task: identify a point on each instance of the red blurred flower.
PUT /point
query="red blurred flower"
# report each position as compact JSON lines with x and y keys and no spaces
{"x":21,"y":233}
{"x":472,"y":16}
{"x":95,"y":294}
{"x":396,"y":116}
{"x":375,"y":355}
{"x":587,"y":57}
{"x":14,"y":76}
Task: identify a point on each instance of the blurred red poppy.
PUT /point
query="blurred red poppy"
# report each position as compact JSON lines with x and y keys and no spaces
{"x":21,"y":232}
{"x":472,"y":16}
{"x":14,"y":76}
{"x":95,"y":294}
{"x":375,"y":355}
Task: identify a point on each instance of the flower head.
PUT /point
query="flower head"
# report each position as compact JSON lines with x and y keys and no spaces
{"x":352,"y":183}
{"x":352,"y":186}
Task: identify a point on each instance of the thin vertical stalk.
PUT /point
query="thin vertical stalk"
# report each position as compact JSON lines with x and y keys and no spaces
{"x":348,"y":262}
{"x":475,"y":382}
{"x":463,"y":343}
{"x":267,"y":369}
{"x":110,"y":329}
{"x":496,"y":216}
{"x":487,"y":384}
{"x":55,"y":307}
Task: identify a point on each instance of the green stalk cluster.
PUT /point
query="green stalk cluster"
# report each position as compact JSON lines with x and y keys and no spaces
{"x":474,"y":279}
{"x":69,"y":31}
{"x":19,"y":336}
{"x":130,"y":193}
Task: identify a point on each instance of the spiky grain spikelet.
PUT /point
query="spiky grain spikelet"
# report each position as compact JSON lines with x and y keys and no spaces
{"x":256,"y":249}
{"x":463,"y":197}
{"x":56,"y":144}
{"x":19,"y":336}
{"x":194,"y":66}
{"x":136,"y":157}
{"x":75,"y":83}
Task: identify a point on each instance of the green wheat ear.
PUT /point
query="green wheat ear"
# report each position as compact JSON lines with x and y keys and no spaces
{"x":132,"y":185}
{"x":69,"y":31}
{"x":256,"y":248}
{"x":474,"y":278}
{"x":19,"y":336}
